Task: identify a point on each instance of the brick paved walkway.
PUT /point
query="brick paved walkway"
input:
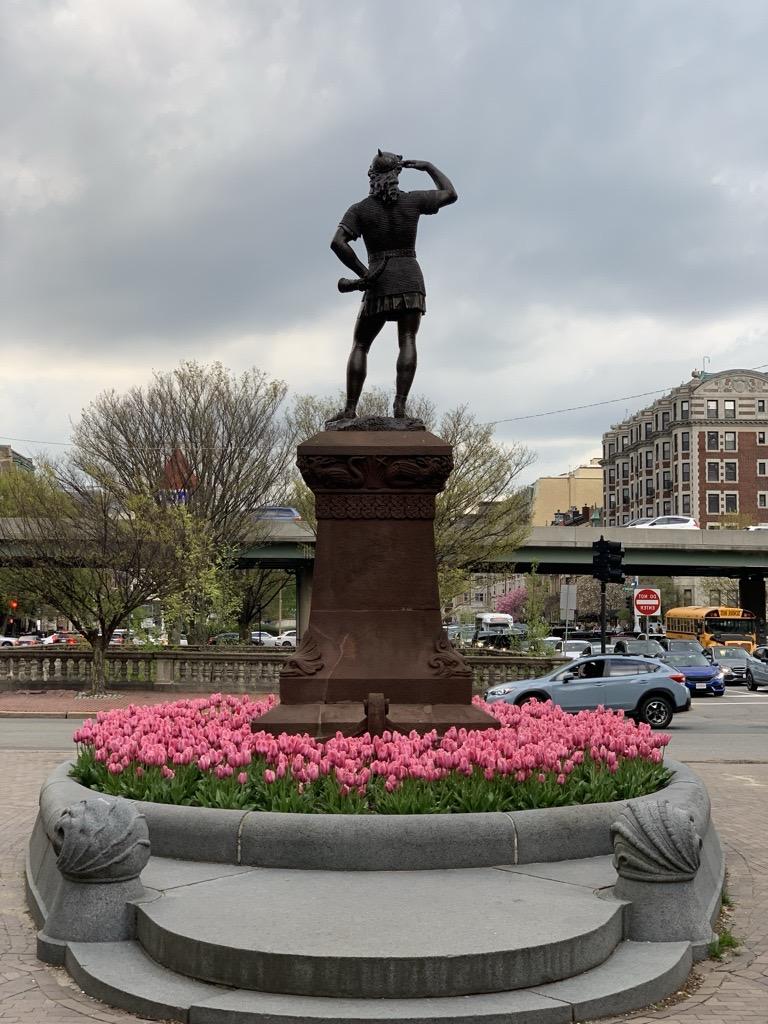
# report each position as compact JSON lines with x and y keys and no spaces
{"x":65,"y":703}
{"x":734,"y":992}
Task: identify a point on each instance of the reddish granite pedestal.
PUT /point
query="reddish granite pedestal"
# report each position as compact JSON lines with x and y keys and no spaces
{"x":374,"y":655}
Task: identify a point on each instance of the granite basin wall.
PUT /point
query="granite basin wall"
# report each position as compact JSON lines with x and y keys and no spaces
{"x":345,"y":842}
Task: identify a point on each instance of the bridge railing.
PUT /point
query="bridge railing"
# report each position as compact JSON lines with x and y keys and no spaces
{"x":208,"y":670}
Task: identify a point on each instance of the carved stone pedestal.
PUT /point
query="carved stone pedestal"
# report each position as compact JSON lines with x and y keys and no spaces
{"x":375,"y":627}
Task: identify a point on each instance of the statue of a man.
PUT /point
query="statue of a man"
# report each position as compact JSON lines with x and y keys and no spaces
{"x":392,"y":283}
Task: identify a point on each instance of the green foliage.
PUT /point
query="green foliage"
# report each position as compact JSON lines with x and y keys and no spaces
{"x":723,"y":941}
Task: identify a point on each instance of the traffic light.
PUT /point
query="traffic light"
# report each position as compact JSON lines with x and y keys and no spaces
{"x":13,"y":604}
{"x":607,"y":556}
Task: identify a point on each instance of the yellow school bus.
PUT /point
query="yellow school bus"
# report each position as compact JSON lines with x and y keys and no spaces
{"x":712,"y":626}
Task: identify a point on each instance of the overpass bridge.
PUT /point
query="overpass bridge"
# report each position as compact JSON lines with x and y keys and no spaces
{"x":557,"y":550}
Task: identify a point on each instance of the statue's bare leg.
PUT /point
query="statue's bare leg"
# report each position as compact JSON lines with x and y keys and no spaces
{"x":407,"y":329}
{"x":366,"y":329}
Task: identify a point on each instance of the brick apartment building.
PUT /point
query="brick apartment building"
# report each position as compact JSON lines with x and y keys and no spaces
{"x":700,"y":451}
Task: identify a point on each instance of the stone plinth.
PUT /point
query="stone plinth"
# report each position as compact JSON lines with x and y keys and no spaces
{"x":375,"y":624}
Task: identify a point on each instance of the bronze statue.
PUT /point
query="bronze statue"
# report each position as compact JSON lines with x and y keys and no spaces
{"x":392,"y":283}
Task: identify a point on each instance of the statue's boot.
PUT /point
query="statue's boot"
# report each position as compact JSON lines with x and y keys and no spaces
{"x":398,"y":407}
{"x":350,"y":413}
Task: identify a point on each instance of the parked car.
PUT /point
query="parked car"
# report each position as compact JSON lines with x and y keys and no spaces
{"x":733,"y":661}
{"x":570,"y":648}
{"x":9,"y":641}
{"x":701,"y":676}
{"x":29,"y":640}
{"x":63,"y":636}
{"x":646,"y":648}
{"x":757,"y":669}
{"x":644,"y":688}
{"x":493,"y":640}
{"x":665,"y":523}
{"x":286,"y":639}
{"x":224,"y":639}
{"x":262,"y":639}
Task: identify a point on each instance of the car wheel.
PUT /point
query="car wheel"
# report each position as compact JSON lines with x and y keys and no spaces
{"x":750,"y":680}
{"x":656,"y":711}
{"x":531,"y":698}
{"x":719,"y":693}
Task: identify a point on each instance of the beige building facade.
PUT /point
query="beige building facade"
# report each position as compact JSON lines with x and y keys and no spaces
{"x":577,"y":489}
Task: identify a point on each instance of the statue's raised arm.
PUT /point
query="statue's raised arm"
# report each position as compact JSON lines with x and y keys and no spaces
{"x":392,"y":282}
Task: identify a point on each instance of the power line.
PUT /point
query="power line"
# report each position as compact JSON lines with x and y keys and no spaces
{"x":489,"y":423}
{"x":593,"y":405}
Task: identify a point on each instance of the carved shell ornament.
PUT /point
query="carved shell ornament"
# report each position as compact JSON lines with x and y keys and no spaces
{"x":446,"y":661}
{"x":656,"y":842}
{"x":102,"y":839}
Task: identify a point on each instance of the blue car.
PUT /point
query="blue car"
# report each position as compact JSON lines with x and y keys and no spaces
{"x":701,"y":676}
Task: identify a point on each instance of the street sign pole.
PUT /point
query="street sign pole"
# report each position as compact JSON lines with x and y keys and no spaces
{"x":602,"y":616}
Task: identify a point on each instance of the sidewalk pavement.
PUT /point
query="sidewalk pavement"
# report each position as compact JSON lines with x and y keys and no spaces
{"x":734,"y":991}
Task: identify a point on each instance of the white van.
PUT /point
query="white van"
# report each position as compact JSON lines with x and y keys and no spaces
{"x":497,"y":622}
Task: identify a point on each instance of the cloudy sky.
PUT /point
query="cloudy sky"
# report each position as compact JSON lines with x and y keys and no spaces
{"x":171,"y":172}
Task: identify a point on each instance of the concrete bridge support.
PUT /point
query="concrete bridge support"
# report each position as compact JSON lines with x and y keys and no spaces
{"x":752,"y":597}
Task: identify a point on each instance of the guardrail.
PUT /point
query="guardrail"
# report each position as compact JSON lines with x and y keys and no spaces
{"x":208,"y":670}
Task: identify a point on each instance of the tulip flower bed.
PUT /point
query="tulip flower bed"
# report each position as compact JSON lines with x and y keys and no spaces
{"x":204,"y":753}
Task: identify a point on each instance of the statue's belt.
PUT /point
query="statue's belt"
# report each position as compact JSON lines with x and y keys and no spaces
{"x":388,"y":254}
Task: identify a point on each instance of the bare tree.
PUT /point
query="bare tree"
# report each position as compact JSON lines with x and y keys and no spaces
{"x":481,"y":513}
{"x":92,"y":550}
{"x":199,"y":435}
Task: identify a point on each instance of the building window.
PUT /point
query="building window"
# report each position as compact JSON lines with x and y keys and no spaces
{"x":677,"y":473}
{"x":611,"y":477}
{"x":611,"y":501}
{"x":761,"y":468}
{"x":686,"y":468}
{"x":714,"y":597}
{"x":761,"y":437}
{"x":666,"y":450}
{"x":713,"y":503}
{"x":667,"y":482}
{"x":729,"y":441}
{"x":667,"y":508}
{"x":731,"y":503}
{"x":625,"y":495}
{"x":685,"y":441}
{"x":729,"y":407}
{"x":761,"y":405}
{"x":648,"y":429}
{"x":712,"y":409}
{"x":649,"y":511}
{"x":686,"y":510}
{"x":762,"y":499}
{"x":713,"y":440}
{"x":624,"y":441}
{"x":664,"y":420}
{"x":684,"y":410}
{"x":479,"y":596}
{"x":713,"y":472}
{"x":687,"y":596}
{"x":624,"y":521}
{"x":625,"y":471}
{"x":649,"y":459}
{"x":611,"y":449}
{"x":731,"y":472}
{"x":675,"y":443}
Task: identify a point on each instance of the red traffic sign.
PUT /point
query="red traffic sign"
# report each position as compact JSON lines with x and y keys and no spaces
{"x":647,"y":601}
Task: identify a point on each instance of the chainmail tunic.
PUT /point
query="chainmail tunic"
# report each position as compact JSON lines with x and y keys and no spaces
{"x":389,"y":232}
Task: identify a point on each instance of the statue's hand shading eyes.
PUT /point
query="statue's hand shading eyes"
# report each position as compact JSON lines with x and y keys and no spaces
{"x":416,"y":165}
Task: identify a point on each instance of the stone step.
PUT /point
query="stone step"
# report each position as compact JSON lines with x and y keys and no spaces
{"x":379,"y":934}
{"x":635,"y":975}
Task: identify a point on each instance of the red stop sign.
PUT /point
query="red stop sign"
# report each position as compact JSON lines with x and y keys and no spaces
{"x":647,"y":601}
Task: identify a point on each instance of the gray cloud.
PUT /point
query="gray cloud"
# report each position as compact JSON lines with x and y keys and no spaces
{"x":172,"y":174}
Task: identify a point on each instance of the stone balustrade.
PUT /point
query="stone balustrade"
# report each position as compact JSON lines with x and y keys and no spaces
{"x":205,"y":670}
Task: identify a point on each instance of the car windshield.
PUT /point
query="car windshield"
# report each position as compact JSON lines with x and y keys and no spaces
{"x":728,"y":653}
{"x":575,"y":645}
{"x":691,"y":660}
{"x":713,"y":624}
